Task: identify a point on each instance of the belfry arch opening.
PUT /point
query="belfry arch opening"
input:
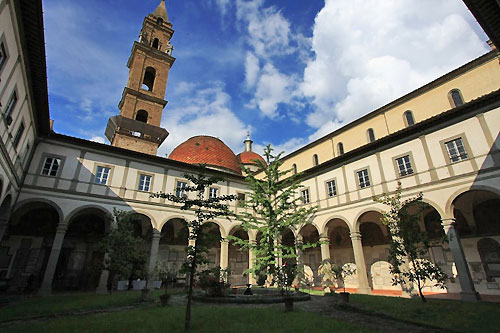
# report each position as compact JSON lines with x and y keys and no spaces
{"x":156,"y":43}
{"x":149,"y":79}
{"x":142,"y":116}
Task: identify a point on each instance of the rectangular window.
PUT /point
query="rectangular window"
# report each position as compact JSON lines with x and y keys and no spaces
{"x":404,"y":165}
{"x":144,"y":183}
{"x":363,"y":178}
{"x":3,"y":55}
{"x":331,"y":188}
{"x":11,"y":104}
{"x":102,"y":174}
{"x":180,"y":189}
{"x":241,"y":199}
{"x":51,"y":166}
{"x":19,"y":135}
{"x":305,"y":196}
{"x":213,"y":192}
{"x":456,"y":150}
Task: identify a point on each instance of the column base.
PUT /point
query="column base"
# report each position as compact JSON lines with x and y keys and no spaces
{"x":102,"y":291}
{"x":365,"y":291}
{"x":44,"y":292}
{"x":470,"y":297}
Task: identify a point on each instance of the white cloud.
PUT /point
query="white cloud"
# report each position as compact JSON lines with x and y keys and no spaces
{"x":370,"y":52}
{"x":98,"y":139}
{"x":273,"y":88}
{"x":252,"y":68}
{"x":204,"y":111}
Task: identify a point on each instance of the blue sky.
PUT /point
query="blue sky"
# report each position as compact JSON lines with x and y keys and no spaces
{"x":287,"y":71}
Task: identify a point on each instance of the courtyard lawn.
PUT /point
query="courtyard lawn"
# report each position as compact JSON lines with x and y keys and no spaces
{"x":204,"y":319}
{"x":448,"y":314}
{"x":31,"y":306}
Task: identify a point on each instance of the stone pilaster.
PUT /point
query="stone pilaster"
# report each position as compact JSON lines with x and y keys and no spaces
{"x":359,"y":258}
{"x":468,"y":293}
{"x":46,"y":287}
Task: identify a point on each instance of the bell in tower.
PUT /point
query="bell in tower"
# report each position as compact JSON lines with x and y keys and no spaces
{"x":142,"y":103}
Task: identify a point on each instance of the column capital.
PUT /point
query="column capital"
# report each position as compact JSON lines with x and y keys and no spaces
{"x":324,"y":239}
{"x":156,"y":234}
{"x":62,"y":228}
{"x":448,"y":224}
{"x":224,"y":241}
{"x":355,"y":235}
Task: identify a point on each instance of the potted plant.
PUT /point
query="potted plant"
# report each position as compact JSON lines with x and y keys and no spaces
{"x":166,"y":275}
{"x":285,"y":276}
{"x":214,"y":281}
{"x":332,"y":272}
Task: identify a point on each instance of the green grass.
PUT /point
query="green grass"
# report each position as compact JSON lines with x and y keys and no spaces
{"x":449,"y":314}
{"x":49,"y":305}
{"x":204,"y":319}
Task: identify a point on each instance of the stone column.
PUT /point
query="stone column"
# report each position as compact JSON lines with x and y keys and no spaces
{"x":468,"y":293}
{"x":4,"y":222}
{"x":224,"y":251}
{"x":299,"y":241}
{"x":251,"y":261}
{"x":325,"y":248}
{"x":359,"y":258}
{"x":50,"y":269}
{"x":153,"y":256}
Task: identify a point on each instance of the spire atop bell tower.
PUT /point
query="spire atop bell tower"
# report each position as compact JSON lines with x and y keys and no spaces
{"x":143,"y":99}
{"x":161,"y":11}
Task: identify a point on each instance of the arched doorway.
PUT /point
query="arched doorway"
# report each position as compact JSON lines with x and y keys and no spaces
{"x":341,"y":252}
{"x":210,"y":238}
{"x":288,"y":239}
{"x":312,"y":255}
{"x":375,"y":240}
{"x":238,"y":258}
{"x":477,"y":210}
{"x":173,"y":242}
{"x":81,"y":256}
{"x":26,"y":245}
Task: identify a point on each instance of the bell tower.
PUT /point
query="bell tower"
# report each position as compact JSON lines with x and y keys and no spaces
{"x":142,"y":103}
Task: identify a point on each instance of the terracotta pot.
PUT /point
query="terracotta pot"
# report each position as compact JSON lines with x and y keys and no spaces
{"x":288,"y":304}
{"x":344,"y":297}
{"x":164,"y":299}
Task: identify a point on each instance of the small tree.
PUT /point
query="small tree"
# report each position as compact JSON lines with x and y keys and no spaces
{"x":126,"y":256}
{"x":205,"y":209}
{"x":275,"y":206}
{"x":409,"y":247}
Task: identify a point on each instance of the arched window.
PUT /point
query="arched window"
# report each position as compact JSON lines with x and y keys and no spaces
{"x":315,"y":159}
{"x":159,"y":20}
{"x":340,"y":148}
{"x":156,"y":43}
{"x":142,"y":115}
{"x":371,"y":135}
{"x":409,"y":120}
{"x":294,"y":169}
{"x":149,"y":79}
{"x":456,"y":98}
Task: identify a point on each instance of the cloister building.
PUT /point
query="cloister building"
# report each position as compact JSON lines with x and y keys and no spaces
{"x":58,"y":193}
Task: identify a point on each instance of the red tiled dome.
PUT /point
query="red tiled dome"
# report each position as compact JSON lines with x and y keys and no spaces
{"x":248,"y":157}
{"x":206,"y":150}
